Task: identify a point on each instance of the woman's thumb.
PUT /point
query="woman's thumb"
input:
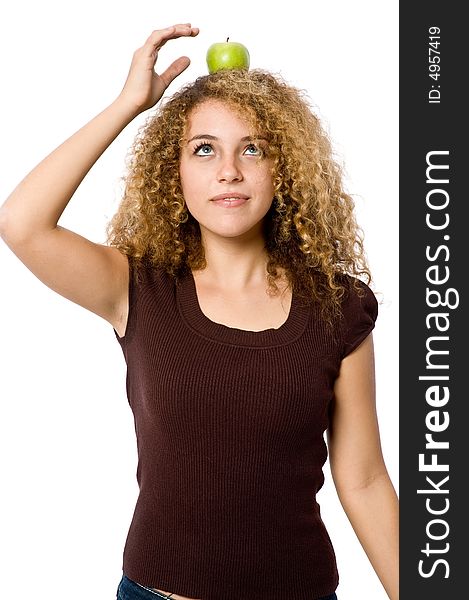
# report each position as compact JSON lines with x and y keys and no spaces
{"x":175,"y":69}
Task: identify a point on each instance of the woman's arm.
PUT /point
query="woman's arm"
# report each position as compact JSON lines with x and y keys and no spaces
{"x":358,"y":468}
{"x":92,"y":275}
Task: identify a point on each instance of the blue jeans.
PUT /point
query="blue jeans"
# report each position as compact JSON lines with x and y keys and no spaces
{"x":129,"y":590}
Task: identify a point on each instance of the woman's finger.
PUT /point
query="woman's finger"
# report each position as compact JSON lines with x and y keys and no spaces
{"x":143,"y":87}
{"x":158,"y":38}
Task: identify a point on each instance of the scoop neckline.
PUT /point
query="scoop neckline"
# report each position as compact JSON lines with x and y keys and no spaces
{"x":195,"y":319}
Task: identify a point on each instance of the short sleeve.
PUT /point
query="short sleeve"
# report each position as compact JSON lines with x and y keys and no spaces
{"x":360,"y":311}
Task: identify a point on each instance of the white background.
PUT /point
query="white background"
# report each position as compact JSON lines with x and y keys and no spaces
{"x":67,"y":443}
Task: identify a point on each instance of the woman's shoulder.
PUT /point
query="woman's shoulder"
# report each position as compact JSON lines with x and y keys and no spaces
{"x":144,"y":268}
{"x":359,"y":307}
{"x":355,"y":288}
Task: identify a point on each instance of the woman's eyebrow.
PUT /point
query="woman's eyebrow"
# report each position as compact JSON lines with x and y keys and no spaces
{"x":202,"y":136}
{"x":207,"y":136}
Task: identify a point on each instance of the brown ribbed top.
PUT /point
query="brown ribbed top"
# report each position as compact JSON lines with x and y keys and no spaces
{"x":230,"y":427}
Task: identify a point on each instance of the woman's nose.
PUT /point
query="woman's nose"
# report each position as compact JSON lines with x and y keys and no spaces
{"x":229,"y":169}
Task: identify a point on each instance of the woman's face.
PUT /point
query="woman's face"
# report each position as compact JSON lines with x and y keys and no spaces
{"x":226,"y":179}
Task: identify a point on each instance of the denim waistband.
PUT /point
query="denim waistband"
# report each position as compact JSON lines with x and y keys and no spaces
{"x":131,"y":590}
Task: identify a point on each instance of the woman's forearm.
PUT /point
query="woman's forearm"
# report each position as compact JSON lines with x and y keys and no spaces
{"x":38,"y":201}
{"x":36,"y":204}
{"x":373,"y":512}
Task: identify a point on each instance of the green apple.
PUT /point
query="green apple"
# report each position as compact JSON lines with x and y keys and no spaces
{"x":227,"y":55}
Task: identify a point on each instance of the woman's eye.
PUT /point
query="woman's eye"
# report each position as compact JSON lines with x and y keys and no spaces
{"x":252,"y":149}
{"x":203,"y":149}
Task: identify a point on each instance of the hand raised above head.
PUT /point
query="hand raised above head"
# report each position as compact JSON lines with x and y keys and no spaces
{"x":144,"y":87}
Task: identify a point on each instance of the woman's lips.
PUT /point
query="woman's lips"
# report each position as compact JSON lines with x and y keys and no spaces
{"x":230,"y":202}
{"x":230,"y":199}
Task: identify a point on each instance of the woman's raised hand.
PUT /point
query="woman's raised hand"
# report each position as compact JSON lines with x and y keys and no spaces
{"x":144,"y":87}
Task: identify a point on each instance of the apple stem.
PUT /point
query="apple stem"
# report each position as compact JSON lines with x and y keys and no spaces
{"x":227,"y":39}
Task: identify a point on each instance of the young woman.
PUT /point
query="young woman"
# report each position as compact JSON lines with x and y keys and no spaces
{"x":234,"y":280}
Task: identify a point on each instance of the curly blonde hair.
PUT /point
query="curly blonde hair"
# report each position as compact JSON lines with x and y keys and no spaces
{"x":310,"y":230}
